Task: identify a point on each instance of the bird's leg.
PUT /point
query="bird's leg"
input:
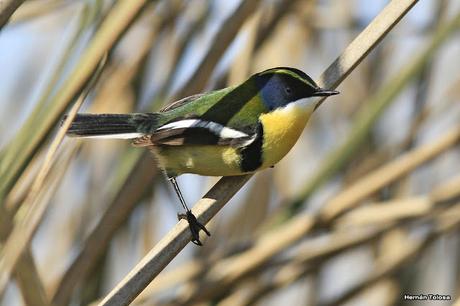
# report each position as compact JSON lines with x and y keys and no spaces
{"x":193,"y":223}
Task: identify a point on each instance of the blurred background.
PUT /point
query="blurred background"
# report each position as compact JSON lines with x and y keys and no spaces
{"x":364,"y":209}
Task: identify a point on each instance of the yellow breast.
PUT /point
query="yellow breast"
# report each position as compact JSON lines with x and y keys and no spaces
{"x":282,"y":128}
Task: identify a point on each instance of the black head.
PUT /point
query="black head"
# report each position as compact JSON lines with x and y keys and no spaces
{"x":282,"y":85}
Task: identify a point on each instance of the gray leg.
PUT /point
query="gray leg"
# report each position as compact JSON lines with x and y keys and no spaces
{"x":179,"y":194}
{"x":193,"y":223}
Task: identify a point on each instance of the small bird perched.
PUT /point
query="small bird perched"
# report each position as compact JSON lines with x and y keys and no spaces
{"x":231,"y":131}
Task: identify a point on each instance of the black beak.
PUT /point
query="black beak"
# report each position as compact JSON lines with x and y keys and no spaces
{"x":325,"y":93}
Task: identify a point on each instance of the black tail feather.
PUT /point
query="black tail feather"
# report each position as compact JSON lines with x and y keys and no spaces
{"x":111,"y":124}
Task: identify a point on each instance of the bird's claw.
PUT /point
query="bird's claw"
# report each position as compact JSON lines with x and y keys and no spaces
{"x":194,"y":226}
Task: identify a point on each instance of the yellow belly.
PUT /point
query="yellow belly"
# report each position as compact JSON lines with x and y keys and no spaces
{"x":202,"y":160}
{"x":282,"y":129}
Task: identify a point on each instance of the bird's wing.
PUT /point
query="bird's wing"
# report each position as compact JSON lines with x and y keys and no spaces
{"x":181,"y":102}
{"x":195,"y":132}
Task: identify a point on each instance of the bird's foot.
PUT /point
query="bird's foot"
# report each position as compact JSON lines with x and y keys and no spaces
{"x":194,"y":226}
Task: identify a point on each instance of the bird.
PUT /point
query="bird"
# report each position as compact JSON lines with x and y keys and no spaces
{"x":227,"y":132}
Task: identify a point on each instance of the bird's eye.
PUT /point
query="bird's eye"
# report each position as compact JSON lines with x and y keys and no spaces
{"x":288,"y":90}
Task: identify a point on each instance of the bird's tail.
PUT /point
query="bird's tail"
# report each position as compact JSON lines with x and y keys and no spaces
{"x":119,"y":126}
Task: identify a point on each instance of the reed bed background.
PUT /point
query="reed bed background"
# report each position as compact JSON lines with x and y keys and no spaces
{"x":363,"y":210}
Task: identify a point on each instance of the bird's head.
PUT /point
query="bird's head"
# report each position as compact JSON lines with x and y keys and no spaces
{"x":281,"y":86}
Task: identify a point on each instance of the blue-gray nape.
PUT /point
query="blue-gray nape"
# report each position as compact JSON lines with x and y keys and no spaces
{"x":278,"y":90}
{"x":272,"y":91}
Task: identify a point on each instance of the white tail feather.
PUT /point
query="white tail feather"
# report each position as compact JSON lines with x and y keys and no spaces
{"x":115,"y":136}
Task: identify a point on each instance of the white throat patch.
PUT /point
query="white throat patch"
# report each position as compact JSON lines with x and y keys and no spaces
{"x":304,"y":103}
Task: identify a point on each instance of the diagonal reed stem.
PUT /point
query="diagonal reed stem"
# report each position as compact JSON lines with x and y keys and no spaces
{"x":160,"y":256}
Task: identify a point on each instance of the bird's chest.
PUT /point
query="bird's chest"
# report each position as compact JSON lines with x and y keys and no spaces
{"x":282,"y":128}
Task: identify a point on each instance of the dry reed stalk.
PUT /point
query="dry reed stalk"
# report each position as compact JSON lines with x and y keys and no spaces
{"x":26,"y":273}
{"x":393,"y":210}
{"x":34,"y":9}
{"x":344,"y":240}
{"x":366,"y":118}
{"x":74,"y":271}
{"x":121,"y":205}
{"x":121,"y":16}
{"x":33,"y":208}
{"x":309,"y":258}
{"x":16,"y":157}
{"x":139,"y":180}
{"x":193,"y":29}
{"x":226,"y":272}
{"x":444,"y":222}
{"x":24,"y":279}
{"x":7,"y":8}
{"x":240,"y":69}
{"x":23,"y":232}
{"x":163,"y":252}
{"x":339,"y":242}
{"x":304,"y":263}
{"x":222,"y":40}
{"x":444,"y":193}
{"x":95,"y":244}
{"x":169,"y":279}
{"x":281,"y":9}
{"x":28,"y":280}
{"x":393,"y":170}
{"x":174,"y":241}
{"x":385,"y":212}
{"x":87,"y":15}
